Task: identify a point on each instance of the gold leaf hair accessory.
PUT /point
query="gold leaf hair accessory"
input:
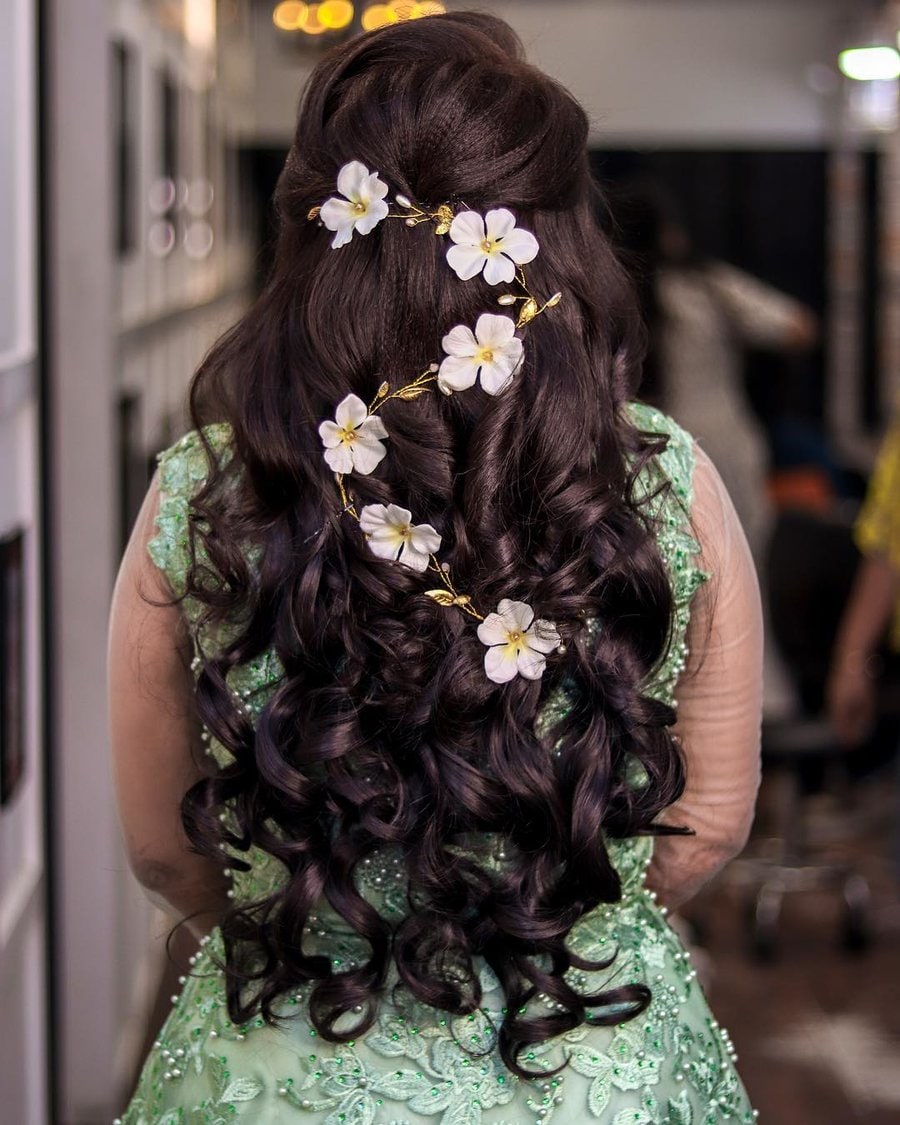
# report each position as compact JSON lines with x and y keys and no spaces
{"x":442,"y":217}
{"x":492,"y":245}
{"x":491,"y":353}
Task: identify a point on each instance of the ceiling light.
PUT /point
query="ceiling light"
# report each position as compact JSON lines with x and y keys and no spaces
{"x":404,"y":9}
{"x":200,"y":23}
{"x":378,"y":15}
{"x":289,"y":15}
{"x":313,"y":24}
{"x":867,"y":64}
{"x":336,"y":14}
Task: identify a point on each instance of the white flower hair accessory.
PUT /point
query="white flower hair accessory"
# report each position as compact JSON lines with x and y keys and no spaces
{"x":362,"y":208}
{"x":492,"y":351}
{"x":353,"y":441}
{"x":493,"y":244}
{"x":517,"y":642}
{"x":391,"y":534}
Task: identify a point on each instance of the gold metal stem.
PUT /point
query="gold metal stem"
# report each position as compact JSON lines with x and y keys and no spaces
{"x":530,"y":308}
{"x":461,"y":601}
{"x":346,"y":499}
{"x":412,"y":390}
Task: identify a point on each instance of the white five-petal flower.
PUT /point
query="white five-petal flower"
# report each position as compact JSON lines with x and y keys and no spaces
{"x":362,"y":208}
{"x":492,"y":351}
{"x":353,"y":441}
{"x":391,"y":534}
{"x":517,"y":642}
{"x":493,"y":244}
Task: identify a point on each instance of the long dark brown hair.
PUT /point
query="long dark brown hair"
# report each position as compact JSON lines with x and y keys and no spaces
{"x":384,"y":729}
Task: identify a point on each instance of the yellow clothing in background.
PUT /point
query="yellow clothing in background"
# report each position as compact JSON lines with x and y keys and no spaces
{"x":877,"y":530}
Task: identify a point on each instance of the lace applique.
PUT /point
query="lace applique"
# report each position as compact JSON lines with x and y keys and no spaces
{"x":671,"y":1065}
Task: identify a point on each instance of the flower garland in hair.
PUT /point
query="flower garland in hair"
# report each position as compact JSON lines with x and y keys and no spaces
{"x":489,"y":353}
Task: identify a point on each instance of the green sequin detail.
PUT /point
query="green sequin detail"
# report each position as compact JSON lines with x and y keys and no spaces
{"x":672,"y":1065}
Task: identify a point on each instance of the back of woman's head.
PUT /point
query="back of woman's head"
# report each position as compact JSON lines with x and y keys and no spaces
{"x":445,"y":109}
{"x":384,"y":729}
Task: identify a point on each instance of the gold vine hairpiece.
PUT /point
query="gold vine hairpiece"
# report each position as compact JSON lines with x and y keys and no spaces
{"x":492,"y":243}
{"x":517,"y":641}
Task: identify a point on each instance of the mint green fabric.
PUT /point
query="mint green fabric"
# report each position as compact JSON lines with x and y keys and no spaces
{"x":417,"y":1066}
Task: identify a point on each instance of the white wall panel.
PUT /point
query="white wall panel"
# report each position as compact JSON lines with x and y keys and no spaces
{"x":18,"y":144}
{"x":131,"y":324}
{"x":648,"y":71}
{"x":23,"y":1011}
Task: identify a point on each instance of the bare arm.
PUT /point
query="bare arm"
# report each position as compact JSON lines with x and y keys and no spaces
{"x":154,"y":736}
{"x":850,"y":692}
{"x":763,"y":316}
{"x":719,"y":703}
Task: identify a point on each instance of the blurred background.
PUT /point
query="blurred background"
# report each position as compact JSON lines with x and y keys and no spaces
{"x":750,"y":154}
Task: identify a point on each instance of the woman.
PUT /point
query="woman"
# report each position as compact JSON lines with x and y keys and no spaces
{"x":440,"y":746}
{"x":871,"y":616}
{"x":701,"y":314}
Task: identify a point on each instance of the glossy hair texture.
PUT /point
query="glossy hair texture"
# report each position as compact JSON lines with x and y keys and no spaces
{"x":384,"y":730}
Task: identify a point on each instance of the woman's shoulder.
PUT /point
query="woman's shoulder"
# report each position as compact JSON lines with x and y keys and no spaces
{"x":650,"y":419}
{"x":676,"y":463}
{"x":185,"y":465}
{"x":183,"y":469}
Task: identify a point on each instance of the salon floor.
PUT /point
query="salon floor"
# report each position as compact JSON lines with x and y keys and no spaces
{"x":817,"y":1029}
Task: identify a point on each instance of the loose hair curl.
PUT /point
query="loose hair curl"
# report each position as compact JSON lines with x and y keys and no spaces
{"x":384,"y":729}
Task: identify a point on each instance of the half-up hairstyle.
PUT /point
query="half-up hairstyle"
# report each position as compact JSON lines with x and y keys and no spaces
{"x":384,"y":730}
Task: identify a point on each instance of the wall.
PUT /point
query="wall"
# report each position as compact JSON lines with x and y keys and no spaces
{"x":695,"y":72}
{"x":132,"y":310}
{"x":23,"y":975}
{"x":691,"y":72}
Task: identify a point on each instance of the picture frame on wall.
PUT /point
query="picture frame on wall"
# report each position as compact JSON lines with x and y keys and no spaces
{"x":12,"y":665}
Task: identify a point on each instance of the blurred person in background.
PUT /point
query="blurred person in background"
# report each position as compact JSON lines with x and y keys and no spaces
{"x":872,"y":614}
{"x":439,"y":798}
{"x":701,"y":314}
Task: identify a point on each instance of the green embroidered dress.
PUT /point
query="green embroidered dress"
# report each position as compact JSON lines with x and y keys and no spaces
{"x":417,"y":1066}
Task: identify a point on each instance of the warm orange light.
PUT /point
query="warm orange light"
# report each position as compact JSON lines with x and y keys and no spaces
{"x":378,"y":15}
{"x":289,"y":15}
{"x":430,"y":8}
{"x":336,"y":13}
{"x":313,"y":25}
{"x":200,"y":23}
{"x":403,"y":9}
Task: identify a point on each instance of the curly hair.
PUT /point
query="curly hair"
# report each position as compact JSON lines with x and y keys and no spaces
{"x":384,"y":729}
